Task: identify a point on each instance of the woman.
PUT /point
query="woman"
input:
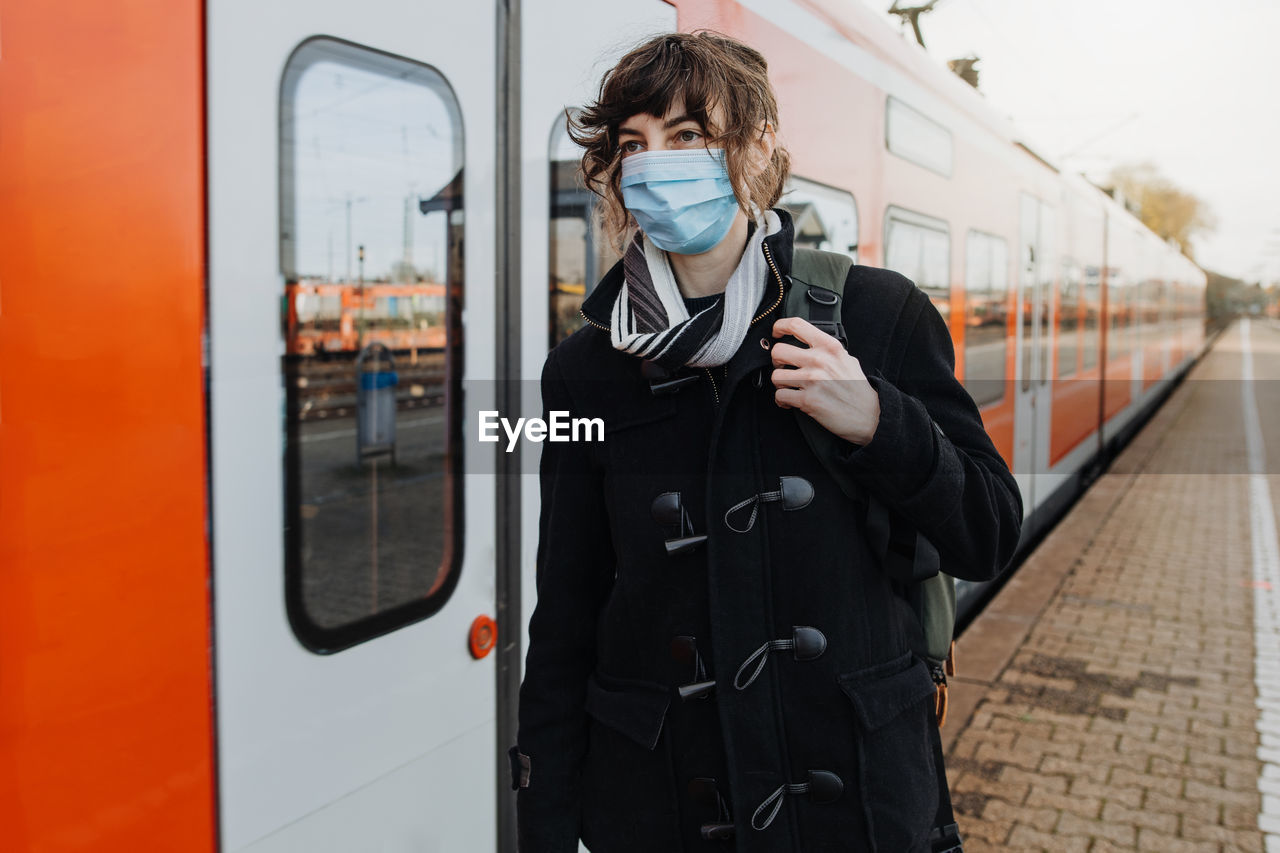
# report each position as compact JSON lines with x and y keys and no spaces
{"x":717,"y":660}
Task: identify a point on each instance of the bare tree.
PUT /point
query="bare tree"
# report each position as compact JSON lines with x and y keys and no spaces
{"x":1167,"y":210}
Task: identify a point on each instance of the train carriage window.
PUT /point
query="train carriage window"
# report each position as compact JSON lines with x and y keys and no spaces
{"x":371,"y":237}
{"x":986,"y":336}
{"x":824,"y":217}
{"x":577,"y":258}
{"x":919,"y":247}
{"x":914,"y":136}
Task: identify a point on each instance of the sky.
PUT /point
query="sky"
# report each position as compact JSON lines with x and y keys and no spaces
{"x":367,"y":145}
{"x":1189,"y":85}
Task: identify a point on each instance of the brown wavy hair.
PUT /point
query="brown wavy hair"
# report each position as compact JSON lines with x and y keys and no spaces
{"x":707,"y":71}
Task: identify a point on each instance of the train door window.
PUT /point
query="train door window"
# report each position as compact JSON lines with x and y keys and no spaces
{"x":1119,"y":296}
{"x":1069,"y":303}
{"x":914,"y":136}
{"x":919,"y":247}
{"x":371,"y":237}
{"x":824,"y":217}
{"x":1092,"y":308}
{"x":1140,"y":301}
{"x":986,"y":336}
{"x":577,"y":258}
{"x":1044,"y":284}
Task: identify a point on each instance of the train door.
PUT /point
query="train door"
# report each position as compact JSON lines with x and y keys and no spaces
{"x":558,"y":245}
{"x":1032,"y":406}
{"x":351,"y":152}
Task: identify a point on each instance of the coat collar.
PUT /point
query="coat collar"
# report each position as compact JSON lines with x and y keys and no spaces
{"x":598,"y":306}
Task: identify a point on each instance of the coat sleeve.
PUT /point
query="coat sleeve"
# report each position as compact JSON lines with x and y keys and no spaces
{"x":931,"y":459}
{"x":575,"y":562}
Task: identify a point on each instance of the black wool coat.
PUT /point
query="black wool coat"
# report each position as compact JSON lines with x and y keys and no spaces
{"x":823,"y":744}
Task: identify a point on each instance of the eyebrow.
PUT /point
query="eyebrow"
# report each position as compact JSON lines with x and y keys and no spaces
{"x":667,"y":125}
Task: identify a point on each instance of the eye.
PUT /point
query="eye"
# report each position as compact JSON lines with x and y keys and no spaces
{"x":688,"y":136}
{"x":631,"y":146}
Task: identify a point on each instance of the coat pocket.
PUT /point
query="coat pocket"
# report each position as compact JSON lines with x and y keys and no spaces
{"x":897,"y":776}
{"x":628,"y":802}
{"x":633,"y":708}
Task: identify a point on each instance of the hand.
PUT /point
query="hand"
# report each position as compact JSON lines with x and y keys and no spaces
{"x":849,"y":408}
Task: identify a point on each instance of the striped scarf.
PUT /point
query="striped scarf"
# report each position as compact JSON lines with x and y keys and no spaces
{"x":649,"y":318}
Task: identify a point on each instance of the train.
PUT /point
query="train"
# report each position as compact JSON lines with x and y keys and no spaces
{"x":263,"y":589}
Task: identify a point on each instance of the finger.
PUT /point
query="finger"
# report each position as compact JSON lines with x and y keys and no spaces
{"x":791,"y":354}
{"x":789,"y":398}
{"x":805,"y":331}
{"x":788,"y":377}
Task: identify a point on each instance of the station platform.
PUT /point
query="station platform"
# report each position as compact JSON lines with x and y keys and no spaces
{"x":1122,"y":691}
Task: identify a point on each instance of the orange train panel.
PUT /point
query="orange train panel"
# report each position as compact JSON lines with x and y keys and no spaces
{"x":1075,"y":414}
{"x":1153,"y":368}
{"x":106,"y":722}
{"x":1118,"y":385}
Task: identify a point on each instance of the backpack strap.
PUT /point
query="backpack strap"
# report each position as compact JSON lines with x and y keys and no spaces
{"x":817,"y":286}
{"x":817,"y":289}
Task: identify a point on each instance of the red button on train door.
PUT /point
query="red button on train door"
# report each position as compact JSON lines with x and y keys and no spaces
{"x":484,"y":636}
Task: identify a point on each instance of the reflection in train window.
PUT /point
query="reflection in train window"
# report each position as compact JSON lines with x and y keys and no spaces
{"x":577,"y":258}
{"x":919,"y":247}
{"x":1069,"y":304}
{"x":914,"y":136}
{"x":824,"y":217}
{"x":371,"y":236}
{"x":986,"y":336}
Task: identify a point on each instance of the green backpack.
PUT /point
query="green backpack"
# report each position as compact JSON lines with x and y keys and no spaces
{"x":907,"y":555}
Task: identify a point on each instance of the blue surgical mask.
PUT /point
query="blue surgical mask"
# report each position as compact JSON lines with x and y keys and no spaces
{"x":683,"y":199}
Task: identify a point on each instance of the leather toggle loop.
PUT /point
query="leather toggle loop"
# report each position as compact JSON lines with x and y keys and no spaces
{"x":705,"y":794}
{"x":809,"y":643}
{"x":823,"y":786}
{"x":797,"y":492}
{"x":805,"y":644}
{"x":668,"y":510}
{"x":685,"y":650}
{"x":754,"y":503}
{"x":774,"y":800}
{"x":792,"y":492}
{"x":758,"y":657}
{"x":663,"y":381}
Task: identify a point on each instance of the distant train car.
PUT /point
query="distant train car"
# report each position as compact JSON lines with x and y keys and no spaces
{"x":264,"y":266}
